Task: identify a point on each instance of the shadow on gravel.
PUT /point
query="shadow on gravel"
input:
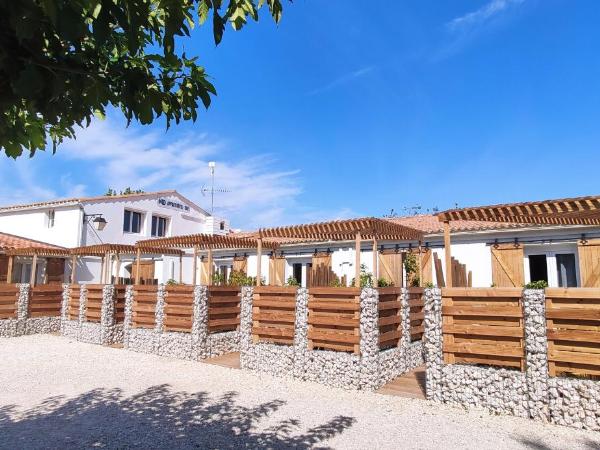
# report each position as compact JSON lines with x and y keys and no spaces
{"x":527,"y":442}
{"x":155,"y":418}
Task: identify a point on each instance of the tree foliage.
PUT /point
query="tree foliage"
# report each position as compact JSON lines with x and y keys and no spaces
{"x":64,"y":61}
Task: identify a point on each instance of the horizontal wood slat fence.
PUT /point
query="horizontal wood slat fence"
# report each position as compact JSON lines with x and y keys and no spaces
{"x":416,"y":303}
{"x":483,"y":326}
{"x":390,"y":317}
{"x":179,"y":308}
{"x":274,"y":314}
{"x":45,"y":300}
{"x":334,"y":319}
{"x":120,"y":291}
{"x":93,"y":306}
{"x":144,"y":306}
{"x":224,"y":308}
{"x":573,"y":331}
{"x":73,"y":310}
{"x":9,"y":294}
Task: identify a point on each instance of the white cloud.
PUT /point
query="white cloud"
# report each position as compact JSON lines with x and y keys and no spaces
{"x":343,"y":79}
{"x":482,"y":14}
{"x":260,"y":194}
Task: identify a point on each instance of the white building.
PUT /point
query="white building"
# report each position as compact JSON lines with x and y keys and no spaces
{"x":492,"y":254}
{"x":120,"y":219}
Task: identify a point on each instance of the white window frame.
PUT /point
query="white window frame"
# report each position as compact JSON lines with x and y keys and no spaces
{"x":550,"y":251}
{"x":142,"y":220}
{"x":167,"y":224}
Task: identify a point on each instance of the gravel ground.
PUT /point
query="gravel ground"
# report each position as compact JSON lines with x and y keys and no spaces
{"x":57,"y":393}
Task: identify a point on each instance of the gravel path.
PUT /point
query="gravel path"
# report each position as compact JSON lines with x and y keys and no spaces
{"x":56,"y":393}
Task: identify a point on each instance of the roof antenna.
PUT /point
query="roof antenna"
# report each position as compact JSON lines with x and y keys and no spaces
{"x":212,"y":190}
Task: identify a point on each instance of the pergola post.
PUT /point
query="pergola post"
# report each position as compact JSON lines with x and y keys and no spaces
{"x":181,"y":268}
{"x":108,"y":268}
{"x":33,"y":276}
{"x":420,"y":264}
{"x":448,"y":253}
{"x":9,"y":270}
{"x":210,"y":266}
{"x":258,"y":261}
{"x":194,"y":266}
{"x":357,"y":260}
{"x":375,"y":263}
{"x":73,"y":268}
{"x":138,"y":255}
{"x":118,"y":268}
{"x":102,"y":269}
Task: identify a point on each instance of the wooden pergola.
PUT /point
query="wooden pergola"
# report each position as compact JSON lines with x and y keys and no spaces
{"x":35,"y":253}
{"x":566,"y":211}
{"x":209,"y":243}
{"x":109,"y":251}
{"x":369,"y":228}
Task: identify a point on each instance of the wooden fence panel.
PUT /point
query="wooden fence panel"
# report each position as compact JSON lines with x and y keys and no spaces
{"x":483,"y":326}
{"x":73,"y":310}
{"x":334,"y":319}
{"x":144,"y":306}
{"x":179,"y":308}
{"x":573,"y":329}
{"x":390,"y":317}
{"x":274,"y":314}
{"x":224,"y":308}
{"x":120,"y":291}
{"x":416,"y":303}
{"x":45,"y":301}
{"x":93,"y":305}
{"x":9,"y":295}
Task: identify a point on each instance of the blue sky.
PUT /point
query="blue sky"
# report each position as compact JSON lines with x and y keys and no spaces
{"x":344,"y":110}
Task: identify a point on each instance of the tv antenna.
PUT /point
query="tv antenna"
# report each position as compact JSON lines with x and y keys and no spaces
{"x":212,"y":189}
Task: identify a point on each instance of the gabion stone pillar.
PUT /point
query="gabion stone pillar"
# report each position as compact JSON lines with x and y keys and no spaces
{"x":433,"y":343}
{"x":369,"y":337}
{"x":200,"y":323}
{"x":301,"y":333}
{"x":536,"y":352}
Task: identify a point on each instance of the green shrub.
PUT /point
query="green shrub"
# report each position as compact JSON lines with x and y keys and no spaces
{"x":540,"y":284}
{"x":291,"y":281}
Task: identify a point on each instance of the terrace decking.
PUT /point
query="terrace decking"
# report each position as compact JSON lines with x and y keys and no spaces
{"x":409,"y":385}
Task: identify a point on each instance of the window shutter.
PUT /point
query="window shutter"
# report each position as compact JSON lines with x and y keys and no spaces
{"x":321,"y":273}
{"x":589,"y":263}
{"x":55,"y":269}
{"x":508,"y":265}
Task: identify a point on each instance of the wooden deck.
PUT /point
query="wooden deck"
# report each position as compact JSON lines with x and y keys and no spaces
{"x":410,"y":385}
{"x":231,"y":360}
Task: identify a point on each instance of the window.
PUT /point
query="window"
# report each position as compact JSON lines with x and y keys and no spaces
{"x":297,"y":272}
{"x":50,"y":218}
{"x":132,"y":221}
{"x":565,"y":270}
{"x":222,"y":225}
{"x":159,"y":226}
{"x":538,"y":268}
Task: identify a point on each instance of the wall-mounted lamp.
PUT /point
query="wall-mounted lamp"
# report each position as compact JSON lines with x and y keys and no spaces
{"x":96,"y":220}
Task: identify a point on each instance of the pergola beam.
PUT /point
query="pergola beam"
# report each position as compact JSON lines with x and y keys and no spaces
{"x":568,"y":211}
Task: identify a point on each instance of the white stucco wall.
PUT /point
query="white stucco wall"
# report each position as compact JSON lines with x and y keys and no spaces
{"x":33,"y":224}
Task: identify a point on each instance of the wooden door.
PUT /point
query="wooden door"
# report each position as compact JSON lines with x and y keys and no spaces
{"x":391,"y":267}
{"x":321,"y":273}
{"x":146,"y":272}
{"x":55,"y":270}
{"x":589,"y":263}
{"x":205,"y":272}
{"x":508,"y":265}
{"x":277,"y":270}
{"x":240,"y":264}
{"x":3,"y":268}
{"x":426,"y":268}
